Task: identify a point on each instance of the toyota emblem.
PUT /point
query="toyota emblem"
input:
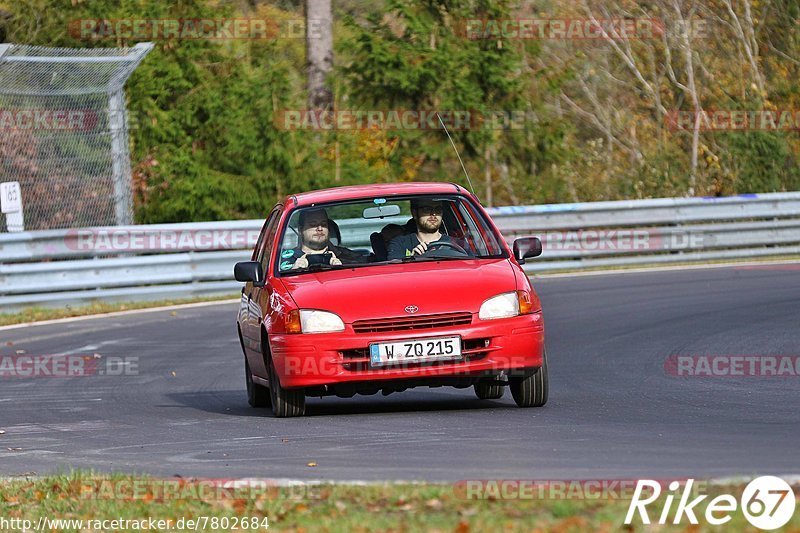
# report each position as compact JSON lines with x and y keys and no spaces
{"x":412,"y":309}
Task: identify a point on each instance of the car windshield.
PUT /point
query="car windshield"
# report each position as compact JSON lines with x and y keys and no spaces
{"x":381,"y":231}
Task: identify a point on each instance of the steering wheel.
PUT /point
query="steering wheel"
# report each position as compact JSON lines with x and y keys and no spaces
{"x":319,"y":259}
{"x":451,"y":245}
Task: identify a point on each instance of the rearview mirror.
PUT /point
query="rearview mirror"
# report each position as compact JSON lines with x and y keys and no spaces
{"x":526,"y":247}
{"x":249,"y":271}
{"x":382,"y":211}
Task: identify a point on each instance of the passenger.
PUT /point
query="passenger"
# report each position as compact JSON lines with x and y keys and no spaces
{"x":389,"y":232}
{"x":315,"y":240}
{"x":427,"y":215}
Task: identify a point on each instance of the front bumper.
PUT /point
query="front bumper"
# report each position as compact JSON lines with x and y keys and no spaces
{"x":490,"y":346}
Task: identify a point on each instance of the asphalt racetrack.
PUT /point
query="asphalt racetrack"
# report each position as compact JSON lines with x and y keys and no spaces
{"x":614,"y":411}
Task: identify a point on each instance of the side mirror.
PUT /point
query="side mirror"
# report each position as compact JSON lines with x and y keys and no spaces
{"x":526,"y":247}
{"x":249,"y":271}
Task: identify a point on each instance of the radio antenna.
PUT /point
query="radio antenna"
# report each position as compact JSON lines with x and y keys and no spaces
{"x":457,"y":154}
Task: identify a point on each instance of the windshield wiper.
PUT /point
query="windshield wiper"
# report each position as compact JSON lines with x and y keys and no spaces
{"x":445,"y":257}
{"x":412,"y":258}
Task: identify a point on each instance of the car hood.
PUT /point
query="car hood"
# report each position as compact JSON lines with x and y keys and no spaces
{"x":385,"y":291}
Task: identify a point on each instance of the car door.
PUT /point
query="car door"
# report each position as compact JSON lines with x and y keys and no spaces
{"x":247,"y":289}
{"x":258,"y":296}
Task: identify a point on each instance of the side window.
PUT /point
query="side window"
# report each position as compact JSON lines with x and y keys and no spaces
{"x":269,"y":237}
{"x":260,"y":240}
{"x":485,"y":239}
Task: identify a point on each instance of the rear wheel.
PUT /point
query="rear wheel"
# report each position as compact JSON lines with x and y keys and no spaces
{"x":285,"y":402}
{"x":531,"y":391}
{"x":488,"y":391}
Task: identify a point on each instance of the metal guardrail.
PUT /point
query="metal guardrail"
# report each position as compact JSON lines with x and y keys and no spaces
{"x":655,"y":212}
{"x":83,"y":242}
{"x":67,"y":267}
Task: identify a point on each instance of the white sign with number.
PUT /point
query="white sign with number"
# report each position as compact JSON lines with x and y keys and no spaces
{"x":11,"y":205}
{"x":10,"y":197}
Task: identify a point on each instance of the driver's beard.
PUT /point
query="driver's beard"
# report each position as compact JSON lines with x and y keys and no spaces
{"x":425,"y":227}
{"x":316,"y":246}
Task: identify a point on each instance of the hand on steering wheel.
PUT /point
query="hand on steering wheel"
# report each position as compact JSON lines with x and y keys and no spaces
{"x":452,"y":245}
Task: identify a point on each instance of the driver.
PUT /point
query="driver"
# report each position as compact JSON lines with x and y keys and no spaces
{"x":427,"y":216}
{"x":315,"y":240}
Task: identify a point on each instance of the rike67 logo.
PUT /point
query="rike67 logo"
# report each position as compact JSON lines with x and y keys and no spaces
{"x":767,"y":502}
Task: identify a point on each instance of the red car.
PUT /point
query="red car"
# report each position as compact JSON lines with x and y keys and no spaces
{"x":356,"y":290}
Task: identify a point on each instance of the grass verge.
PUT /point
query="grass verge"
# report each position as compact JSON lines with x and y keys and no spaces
{"x":334,"y":508}
{"x":38,"y":314}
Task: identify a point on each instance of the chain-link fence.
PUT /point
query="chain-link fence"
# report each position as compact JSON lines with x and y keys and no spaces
{"x":64,"y":133}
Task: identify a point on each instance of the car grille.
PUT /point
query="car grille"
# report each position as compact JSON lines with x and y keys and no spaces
{"x":412,"y":322}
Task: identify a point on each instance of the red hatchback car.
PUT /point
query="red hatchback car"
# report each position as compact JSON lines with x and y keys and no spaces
{"x":356,"y":290}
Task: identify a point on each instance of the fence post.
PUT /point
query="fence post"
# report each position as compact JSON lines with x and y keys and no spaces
{"x":120,"y":160}
{"x":118,"y":125}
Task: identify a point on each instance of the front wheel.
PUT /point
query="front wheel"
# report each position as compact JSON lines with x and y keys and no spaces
{"x":285,"y":402}
{"x":531,"y":391}
{"x":488,"y":391}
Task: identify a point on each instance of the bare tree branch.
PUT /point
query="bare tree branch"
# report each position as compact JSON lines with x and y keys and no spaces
{"x":625,"y":55}
{"x":599,"y":125}
{"x":747,"y":41}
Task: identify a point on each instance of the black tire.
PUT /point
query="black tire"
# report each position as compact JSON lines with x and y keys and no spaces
{"x":257,"y":395}
{"x":531,"y":391}
{"x":488,"y":391}
{"x":285,"y":402}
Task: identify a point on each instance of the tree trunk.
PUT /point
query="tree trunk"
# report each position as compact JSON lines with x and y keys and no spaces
{"x":689,"y":60}
{"x":319,"y":45}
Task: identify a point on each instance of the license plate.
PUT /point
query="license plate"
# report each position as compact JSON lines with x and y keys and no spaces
{"x":415,"y":350}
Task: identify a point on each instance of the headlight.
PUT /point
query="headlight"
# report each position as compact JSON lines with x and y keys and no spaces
{"x":500,"y":306}
{"x":313,"y":321}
